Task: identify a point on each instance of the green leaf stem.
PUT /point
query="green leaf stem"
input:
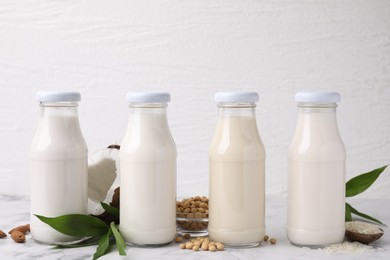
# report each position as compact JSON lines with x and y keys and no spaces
{"x":120,"y":243}
{"x":360,"y":214}
{"x":104,"y":245}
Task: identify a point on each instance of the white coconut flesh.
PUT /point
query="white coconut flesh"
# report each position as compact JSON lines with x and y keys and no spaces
{"x":103,"y":178}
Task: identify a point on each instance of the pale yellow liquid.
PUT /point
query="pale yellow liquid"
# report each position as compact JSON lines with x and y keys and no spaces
{"x":316,"y":182}
{"x":148,"y":182}
{"x":237,"y":191}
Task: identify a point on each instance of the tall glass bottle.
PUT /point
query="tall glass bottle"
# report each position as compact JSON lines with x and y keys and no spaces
{"x":237,"y":162}
{"x":148,"y":173}
{"x":316,"y":173}
{"x":58,"y":164}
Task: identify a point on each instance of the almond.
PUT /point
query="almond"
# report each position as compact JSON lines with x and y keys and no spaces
{"x":18,"y":236}
{"x":24,"y":229}
{"x":2,"y":234}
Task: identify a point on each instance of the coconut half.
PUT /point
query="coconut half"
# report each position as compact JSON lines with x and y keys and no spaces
{"x":362,"y":232}
{"x":103,"y":177}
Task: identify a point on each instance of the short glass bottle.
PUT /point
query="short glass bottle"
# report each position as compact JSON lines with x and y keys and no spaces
{"x":148,"y":173}
{"x":237,"y":168}
{"x":316,"y":173}
{"x":58,"y":165}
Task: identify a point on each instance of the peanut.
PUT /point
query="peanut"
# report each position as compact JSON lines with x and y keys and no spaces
{"x":18,"y":236}
{"x":272,"y":241}
{"x":24,"y":229}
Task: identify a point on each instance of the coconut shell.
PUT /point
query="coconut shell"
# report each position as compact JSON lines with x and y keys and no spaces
{"x":363,"y":238}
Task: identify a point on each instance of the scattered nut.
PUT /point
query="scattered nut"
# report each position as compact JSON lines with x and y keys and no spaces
{"x":189,"y":245}
{"x":18,"y":236}
{"x":178,"y":239}
{"x":266,"y":237}
{"x":24,"y":229}
{"x":198,"y":243}
{"x":187,"y":236}
{"x":272,"y":241}
{"x":220,"y":246}
{"x":2,"y":234}
{"x":205,"y":246}
{"x":212,"y":248}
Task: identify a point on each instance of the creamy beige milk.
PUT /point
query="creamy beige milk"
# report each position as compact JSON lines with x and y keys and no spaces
{"x":58,"y":172}
{"x":316,"y":180}
{"x":237,"y":189}
{"x":148,"y":180}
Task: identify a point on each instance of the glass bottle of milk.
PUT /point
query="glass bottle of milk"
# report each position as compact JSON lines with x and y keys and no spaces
{"x":316,"y":173}
{"x":58,"y":164}
{"x":237,"y":162}
{"x":148,"y":172}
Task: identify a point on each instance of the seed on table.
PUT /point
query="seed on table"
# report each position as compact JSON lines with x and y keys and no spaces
{"x":197,"y":243}
{"x":189,"y":245}
{"x":272,"y":240}
{"x":178,"y":239}
{"x":183,"y":246}
{"x":195,"y":248}
{"x":212,"y":248}
{"x":220,"y":246}
{"x":205,"y":246}
{"x":266,"y":237}
{"x":187,"y":236}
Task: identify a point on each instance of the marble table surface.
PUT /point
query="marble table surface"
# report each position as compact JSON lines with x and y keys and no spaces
{"x":15,"y":211}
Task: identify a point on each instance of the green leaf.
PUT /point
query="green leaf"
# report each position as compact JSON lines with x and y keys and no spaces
{"x":354,"y":211}
{"x":360,"y":183}
{"x":348,"y":215}
{"x":89,"y":242}
{"x":104,"y":245}
{"x":111,"y":210}
{"x":76,"y":225}
{"x":120,"y":243}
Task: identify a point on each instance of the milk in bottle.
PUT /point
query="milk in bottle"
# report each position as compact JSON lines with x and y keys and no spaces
{"x":316,"y":173}
{"x":58,"y":164}
{"x":237,"y":161}
{"x":148,"y":172}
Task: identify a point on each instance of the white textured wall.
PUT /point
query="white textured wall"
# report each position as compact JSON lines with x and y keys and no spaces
{"x":193,"y":49}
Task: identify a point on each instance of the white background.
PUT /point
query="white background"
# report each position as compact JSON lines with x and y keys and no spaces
{"x":193,"y":49}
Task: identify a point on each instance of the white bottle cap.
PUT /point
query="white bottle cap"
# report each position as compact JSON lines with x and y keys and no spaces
{"x":317,"y":97}
{"x":148,"y":97}
{"x":58,"y":96}
{"x":236,"y":97}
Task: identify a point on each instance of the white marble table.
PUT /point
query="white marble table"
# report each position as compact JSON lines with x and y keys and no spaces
{"x":15,"y":211}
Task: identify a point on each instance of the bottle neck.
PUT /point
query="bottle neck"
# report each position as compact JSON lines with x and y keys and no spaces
{"x":317,"y":108}
{"x":59,"y":109}
{"x":317,"y":120}
{"x":144,"y":116}
{"x":226,"y":110}
{"x":158,"y":109}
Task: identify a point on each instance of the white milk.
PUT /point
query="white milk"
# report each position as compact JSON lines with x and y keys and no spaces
{"x":316,"y":175}
{"x":148,"y":175}
{"x":58,"y":168}
{"x":237,"y":191}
